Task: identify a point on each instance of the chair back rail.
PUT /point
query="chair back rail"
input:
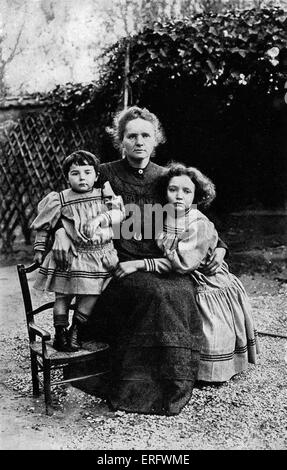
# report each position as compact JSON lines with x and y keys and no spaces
{"x":29,"y":311}
{"x":39,"y":310}
{"x":22,"y":273}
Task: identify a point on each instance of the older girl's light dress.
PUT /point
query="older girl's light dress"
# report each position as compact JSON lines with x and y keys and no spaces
{"x":89,"y":271}
{"x":229,"y":336}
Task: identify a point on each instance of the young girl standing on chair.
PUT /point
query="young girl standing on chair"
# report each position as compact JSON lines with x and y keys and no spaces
{"x":92,"y":259}
{"x":188,"y":239}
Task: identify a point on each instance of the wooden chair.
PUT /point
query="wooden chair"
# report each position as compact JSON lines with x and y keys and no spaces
{"x":45,"y":359}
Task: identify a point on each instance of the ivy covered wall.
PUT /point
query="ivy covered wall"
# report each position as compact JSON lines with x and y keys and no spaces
{"x":217,"y":83}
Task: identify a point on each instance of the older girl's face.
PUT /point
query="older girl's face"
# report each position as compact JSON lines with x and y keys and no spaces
{"x":139,"y":141}
{"x":180,"y":192}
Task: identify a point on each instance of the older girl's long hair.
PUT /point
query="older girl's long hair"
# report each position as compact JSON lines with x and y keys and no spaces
{"x":205,"y":191}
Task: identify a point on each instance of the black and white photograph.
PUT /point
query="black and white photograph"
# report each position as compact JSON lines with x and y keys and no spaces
{"x":143,"y":240}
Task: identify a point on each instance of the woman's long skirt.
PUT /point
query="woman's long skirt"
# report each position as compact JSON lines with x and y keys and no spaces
{"x":154,"y":329}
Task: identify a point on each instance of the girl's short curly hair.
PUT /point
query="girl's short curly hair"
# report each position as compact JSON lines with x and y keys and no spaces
{"x":205,"y":191}
{"x":134,"y":112}
{"x":80,"y":157}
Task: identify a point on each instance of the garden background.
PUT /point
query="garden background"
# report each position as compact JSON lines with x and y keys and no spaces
{"x":214,"y":73}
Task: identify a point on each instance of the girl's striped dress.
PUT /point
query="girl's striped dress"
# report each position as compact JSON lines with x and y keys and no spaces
{"x":229,"y":336}
{"x":90,"y":271}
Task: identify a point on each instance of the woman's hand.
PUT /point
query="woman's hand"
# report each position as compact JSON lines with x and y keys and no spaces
{"x":215,"y":262}
{"x":128,"y":267}
{"x":90,"y":227}
{"x":62,"y":249}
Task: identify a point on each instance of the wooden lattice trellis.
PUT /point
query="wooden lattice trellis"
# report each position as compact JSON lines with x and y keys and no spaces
{"x":30,"y":167}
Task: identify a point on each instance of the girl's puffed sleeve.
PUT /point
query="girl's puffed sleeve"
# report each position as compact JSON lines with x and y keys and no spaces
{"x":115,"y":211}
{"x":49,"y":212}
{"x":193,"y":247}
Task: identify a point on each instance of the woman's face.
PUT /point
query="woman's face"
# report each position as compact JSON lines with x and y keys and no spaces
{"x":139,"y":141}
{"x":180,"y":192}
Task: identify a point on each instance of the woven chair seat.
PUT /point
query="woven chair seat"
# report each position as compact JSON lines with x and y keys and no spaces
{"x":89,"y":349}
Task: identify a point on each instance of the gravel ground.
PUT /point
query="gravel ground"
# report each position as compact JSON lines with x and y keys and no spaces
{"x":247,"y":412}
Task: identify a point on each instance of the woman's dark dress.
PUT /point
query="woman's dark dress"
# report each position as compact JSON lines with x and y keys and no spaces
{"x":152,"y":321}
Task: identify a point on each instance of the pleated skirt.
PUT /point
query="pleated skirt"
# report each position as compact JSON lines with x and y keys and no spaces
{"x":88,"y":274}
{"x":230,"y":340}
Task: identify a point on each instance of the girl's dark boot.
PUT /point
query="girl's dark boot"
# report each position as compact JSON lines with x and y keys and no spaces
{"x":75,"y":335}
{"x":61,"y":339}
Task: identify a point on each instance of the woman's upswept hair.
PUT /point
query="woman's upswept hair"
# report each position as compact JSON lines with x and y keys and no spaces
{"x":134,"y":112}
{"x":80,"y":157}
{"x":204,"y":188}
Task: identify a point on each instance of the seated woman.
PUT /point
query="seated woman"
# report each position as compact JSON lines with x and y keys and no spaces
{"x":153,"y":323}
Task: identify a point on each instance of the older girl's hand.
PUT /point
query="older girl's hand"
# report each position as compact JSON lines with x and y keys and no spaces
{"x":62,"y":249}
{"x":215,"y":262}
{"x":128,"y":267}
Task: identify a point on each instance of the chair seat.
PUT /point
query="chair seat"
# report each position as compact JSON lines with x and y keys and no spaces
{"x":88,"y":350}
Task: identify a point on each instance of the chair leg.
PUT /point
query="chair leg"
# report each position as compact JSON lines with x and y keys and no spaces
{"x":47,"y":385}
{"x":35,"y":376}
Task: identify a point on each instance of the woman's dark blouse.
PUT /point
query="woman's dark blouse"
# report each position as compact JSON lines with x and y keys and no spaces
{"x":135,"y":187}
{"x":138,"y":187}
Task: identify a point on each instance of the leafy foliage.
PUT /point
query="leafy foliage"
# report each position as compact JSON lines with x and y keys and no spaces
{"x":228,"y":51}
